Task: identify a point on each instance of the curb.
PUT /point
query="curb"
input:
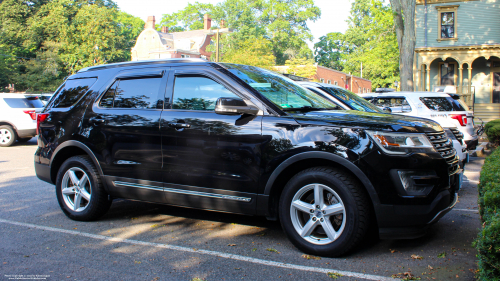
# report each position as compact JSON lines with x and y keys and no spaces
{"x":479,"y":152}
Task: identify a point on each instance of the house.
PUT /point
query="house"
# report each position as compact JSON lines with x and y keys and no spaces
{"x":152,"y":44}
{"x":458,"y":45}
{"x":331,"y":76}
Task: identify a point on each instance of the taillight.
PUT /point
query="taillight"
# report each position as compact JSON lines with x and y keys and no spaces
{"x":40,"y":117}
{"x":31,"y":113}
{"x":462,"y":118}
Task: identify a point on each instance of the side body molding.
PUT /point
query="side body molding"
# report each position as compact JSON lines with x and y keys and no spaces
{"x":79,"y":145}
{"x":327,"y":156}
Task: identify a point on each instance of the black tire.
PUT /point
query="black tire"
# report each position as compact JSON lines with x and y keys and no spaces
{"x":8,"y":136}
{"x":23,"y":139}
{"x":98,"y":204}
{"x":351,"y":226}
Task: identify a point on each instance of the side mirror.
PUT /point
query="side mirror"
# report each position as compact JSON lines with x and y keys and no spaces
{"x":234,"y":106}
{"x":387,"y":109}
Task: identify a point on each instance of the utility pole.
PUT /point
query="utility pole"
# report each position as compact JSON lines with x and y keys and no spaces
{"x":217,"y":47}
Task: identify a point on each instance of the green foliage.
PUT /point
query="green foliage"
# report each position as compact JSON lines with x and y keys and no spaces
{"x":282,"y":22}
{"x":46,"y":40}
{"x":492,"y":130}
{"x":488,"y":241}
{"x":301,"y":67}
{"x":369,"y":40}
{"x":256,"y":52}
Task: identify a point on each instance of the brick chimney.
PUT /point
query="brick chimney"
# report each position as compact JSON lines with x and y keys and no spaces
{"x":207,"y":22}
{"x":150,"y":23}
{"x":164,"y":29}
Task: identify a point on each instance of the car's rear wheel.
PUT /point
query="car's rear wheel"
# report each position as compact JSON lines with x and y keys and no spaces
{"x":324,"y":211}
{"x":7,"y":135}
{"x":79,"y":190}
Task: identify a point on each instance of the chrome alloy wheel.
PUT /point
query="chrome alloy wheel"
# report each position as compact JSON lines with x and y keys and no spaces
{"x":318,"y":214}
{"x":5,"y":136}
{"x":76,"y":189}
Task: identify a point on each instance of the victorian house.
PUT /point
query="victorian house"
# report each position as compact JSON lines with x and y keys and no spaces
{"x":458,"y":45}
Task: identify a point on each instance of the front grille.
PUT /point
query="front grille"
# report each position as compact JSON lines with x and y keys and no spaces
{"x":458,"y":135}
{"x":445,"y":147}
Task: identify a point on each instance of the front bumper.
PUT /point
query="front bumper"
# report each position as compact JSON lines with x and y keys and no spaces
{"x":412,"y":221}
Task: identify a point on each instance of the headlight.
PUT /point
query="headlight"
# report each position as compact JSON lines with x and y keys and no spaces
{"x":401,"y":143}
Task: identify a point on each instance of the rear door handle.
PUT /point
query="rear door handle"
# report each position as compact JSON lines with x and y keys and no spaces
{"x":179,"y":125}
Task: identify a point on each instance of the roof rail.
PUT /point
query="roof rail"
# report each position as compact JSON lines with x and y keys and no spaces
{"x":140,"y":62}
{"x":384,"y":90}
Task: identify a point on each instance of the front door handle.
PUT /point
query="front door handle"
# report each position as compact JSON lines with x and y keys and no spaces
{"x":97,"y":121}
{"x":179,"y":125}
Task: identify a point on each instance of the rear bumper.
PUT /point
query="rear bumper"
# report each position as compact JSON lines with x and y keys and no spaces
{"x":43,"y":172}
{"x":472,"y":144}
{"x":28,"y":133}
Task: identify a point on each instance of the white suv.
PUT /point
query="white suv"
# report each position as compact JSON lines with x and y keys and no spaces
{"x":448,"y":110}
{"x":18,"y":118}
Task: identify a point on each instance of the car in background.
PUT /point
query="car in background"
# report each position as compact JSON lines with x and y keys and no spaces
{"x":340,"y":96}
{"x":18,"y":118}
{"x":350,"y":101}
{"x":448,"y":110}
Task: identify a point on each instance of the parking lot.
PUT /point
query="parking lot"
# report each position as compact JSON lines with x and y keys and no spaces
{"x":142,"y":241}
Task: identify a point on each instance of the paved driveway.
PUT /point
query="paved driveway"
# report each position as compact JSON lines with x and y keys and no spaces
{"x":141,"y":241}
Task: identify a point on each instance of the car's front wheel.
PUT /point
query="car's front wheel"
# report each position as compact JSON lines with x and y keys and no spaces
{"x":7,"y":135}
{"x":79,"y":189}
{"x":324,"y":211}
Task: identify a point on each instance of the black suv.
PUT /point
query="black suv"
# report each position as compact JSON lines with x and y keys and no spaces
{"x":241,"y":139}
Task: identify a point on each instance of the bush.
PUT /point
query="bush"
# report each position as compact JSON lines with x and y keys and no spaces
{"x":488,"y":241}
{"x":492,"y":130}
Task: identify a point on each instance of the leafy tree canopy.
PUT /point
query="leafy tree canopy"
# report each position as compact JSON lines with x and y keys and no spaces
{"x":46,"y":40}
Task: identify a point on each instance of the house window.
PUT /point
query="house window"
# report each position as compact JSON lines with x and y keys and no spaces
{"x":322,"y":80}
{"x":447,"y":73}
{"x":185,"y":56}
{"x":335,"y":83}
{"x":329,"y":82}
{"x":447,"y":22}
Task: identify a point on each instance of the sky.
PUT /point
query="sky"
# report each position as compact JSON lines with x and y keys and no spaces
{"x":334,"y":13}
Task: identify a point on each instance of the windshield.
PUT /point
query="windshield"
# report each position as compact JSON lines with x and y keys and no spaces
{"x":351,"y":99}
{"x":280,"y":90}
{"x":442,"y":104}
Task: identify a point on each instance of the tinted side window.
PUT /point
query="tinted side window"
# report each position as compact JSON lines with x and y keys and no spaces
{"x":109,"y":97}
{"x":442,"y":104}
{"x":72,"y":91}
{"x":396,"y":104}
{"x":136,"y":93}
{"x":198,"y":93}
{"x":23,"y":103}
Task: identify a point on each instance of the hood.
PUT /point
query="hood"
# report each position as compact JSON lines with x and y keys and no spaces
{"x":368,"y":121}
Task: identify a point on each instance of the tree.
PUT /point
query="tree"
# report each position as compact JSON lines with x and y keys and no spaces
{"x":256,"y":52}
{"x":301,"y":67}
{"x":370,"y":40}
{"x":331,"y":50}
{"x":283,"y":22}
{"x":404,"y":21}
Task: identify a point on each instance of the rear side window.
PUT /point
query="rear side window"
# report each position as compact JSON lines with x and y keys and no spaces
{"x":23,"y":103}
{"x":72,"y":91}
{"x":442,"y":104}
{"x":132,"y":93}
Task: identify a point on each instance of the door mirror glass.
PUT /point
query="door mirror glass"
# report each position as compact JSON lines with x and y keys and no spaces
{"x":234,"y":106}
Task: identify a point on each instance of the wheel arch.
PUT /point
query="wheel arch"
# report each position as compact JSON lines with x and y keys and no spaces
{"x":9,"y":124}
{"x":301,"y":161}
{"x":69,"y":149}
